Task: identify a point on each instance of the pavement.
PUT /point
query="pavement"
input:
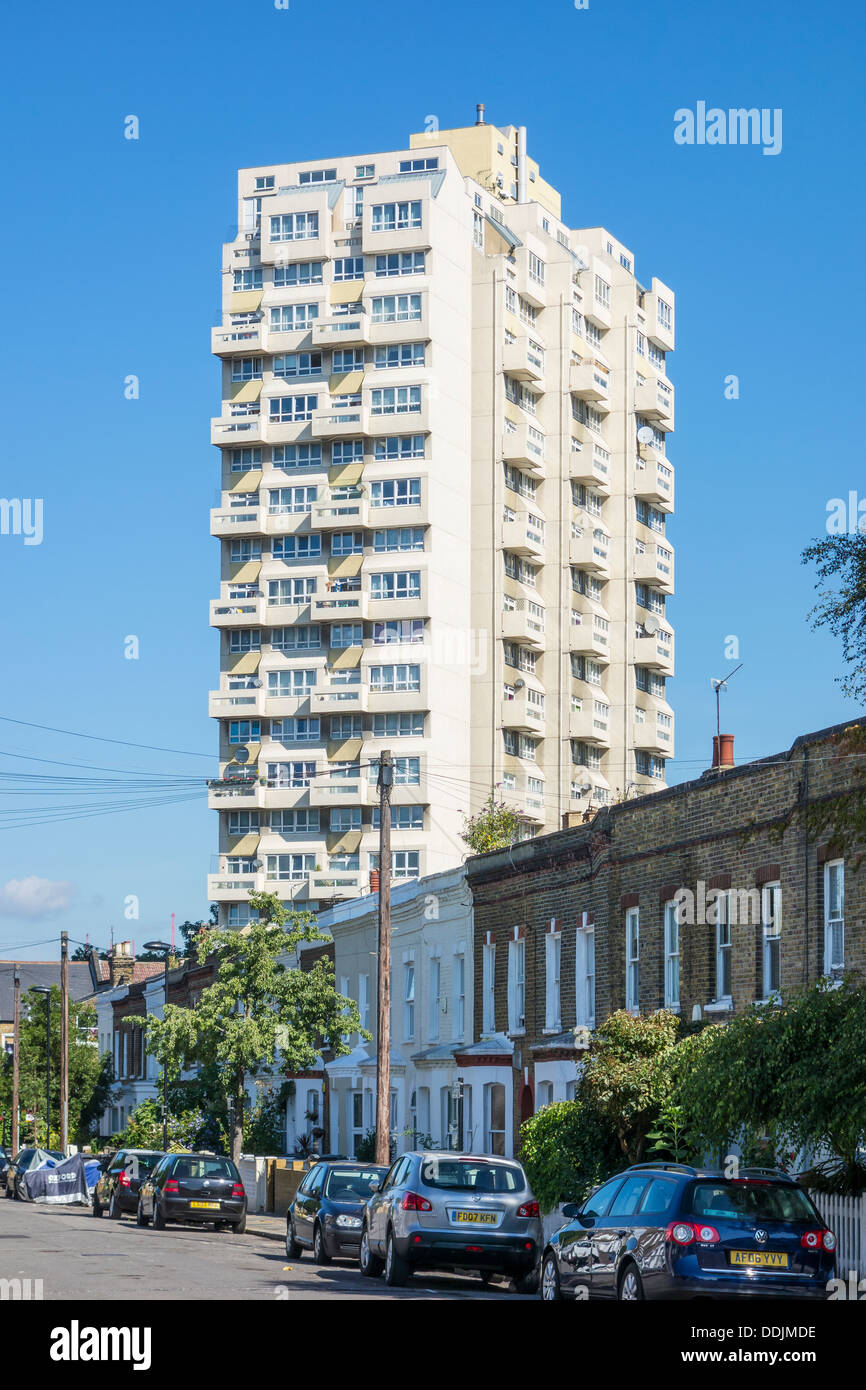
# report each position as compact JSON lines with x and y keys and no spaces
{"x":78,"y":1257}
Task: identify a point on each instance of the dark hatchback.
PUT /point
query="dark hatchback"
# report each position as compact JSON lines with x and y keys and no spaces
{"x":119,"y":1183}
{"x":326,"y":1214}
{"x":192,"y":1188}
{"x":670,"y":1231}
{"x":23,"y":1161}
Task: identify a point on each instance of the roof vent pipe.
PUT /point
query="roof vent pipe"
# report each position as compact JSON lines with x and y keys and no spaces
{"x":479,"y":113}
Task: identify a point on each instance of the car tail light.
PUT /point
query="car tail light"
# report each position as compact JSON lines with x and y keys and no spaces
{"x":816,"y":1240}
{"x":170,"y":1185}
{"x":686,"y":1232}
{"x":412,"y":1202}
{"x":529,"y":1209}
{"x":123,"y":1179}
{"x":237,"y":1189}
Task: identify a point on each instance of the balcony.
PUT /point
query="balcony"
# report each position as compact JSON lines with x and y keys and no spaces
{"x":340,"y":604}
{"x":519,"y":714}
{"x":651,"y":651}
{"x":340,"y":883}
{"x":402,"y":330}
{"x":522,"y":625}
{"x":234,"y":888}
{"x":339,"y":422}
{"x":524,"y":535}
{"x":400,"y":606}
{"x":236,"y":521}
{"x":339,"y":699}
{"x":590,"y":550}
{"x":528,"y":805}
{"x":339,"y":791}
{"x":524,"y":445}
{"x":345,"y":512}
{"x":235,"y":704}
{"x":524,"y":359}
{"x":399,"y":421}
{"x":528,"y":286}
{"x":650,"y":738}
{"x":382,"y":701}
{"x":233,"y":342}
{"x":342,"y":331}
{"x":655,"y":565}
{"x":234,"y":430}
{"x":655,"y":400}
{"x":585,"y":467}
{"x":660,"y":321}
{"x":654,"y":480}
{"x":242,"y":612}
{"x":590,"y":381}
{"x":588,"y":726}
{"x":586,"y":640}
{"x":235,"y":794}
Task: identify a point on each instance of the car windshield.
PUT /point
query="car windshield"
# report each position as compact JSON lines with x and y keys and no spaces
{"x":471,"y":1175}
{"x":352,"y":1184}
{"x":144,"y":1163}
{"x":750,"y":1200}
{"x":204,"y":1168}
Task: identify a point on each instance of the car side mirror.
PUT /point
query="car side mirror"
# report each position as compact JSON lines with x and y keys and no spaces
{"x":570,"y":1210}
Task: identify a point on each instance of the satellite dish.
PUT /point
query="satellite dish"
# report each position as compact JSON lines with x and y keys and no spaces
{"x":254,"y":684}
{"x":518,"y":685}
{"x":651,"y":625}
{"x":242,"y":755}
{"x":645,"y":435}
{"x":257,"y":864}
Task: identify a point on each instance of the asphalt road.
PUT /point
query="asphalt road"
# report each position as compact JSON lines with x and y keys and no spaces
{"x":77,"y":1257}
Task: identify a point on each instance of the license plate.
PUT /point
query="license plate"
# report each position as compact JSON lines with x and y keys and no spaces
{"x":476,"y":1218}
{"x":206,"y":1206}
{"x":765,"y":1259}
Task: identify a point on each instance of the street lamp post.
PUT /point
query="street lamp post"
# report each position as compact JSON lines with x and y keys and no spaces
{"x":164,"y":949}
{"x":46,"y":991}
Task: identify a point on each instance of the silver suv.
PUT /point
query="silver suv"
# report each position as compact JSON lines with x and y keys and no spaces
{"x":452,"y":1211}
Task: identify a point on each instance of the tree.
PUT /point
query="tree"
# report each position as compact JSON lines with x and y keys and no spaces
{"x":144,"y":1128}
{"x":90,"y":1075}
{"x":82,"y":953}
{"x":567,"y":1150}
{"x":256,"y":1008}
{"x":627,"y":1078}
{"x":843,"y":611}
{"x":496,"y":826}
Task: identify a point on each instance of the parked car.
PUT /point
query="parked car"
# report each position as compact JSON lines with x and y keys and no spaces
{"x":5,"y":1160}
{"x":119,"y":1182}
{"x":668,"y":1230}
{"x":452,"y":1211}
{"x":190,"y":1188}
{"x":326,"y":1213}
{"x":23,"y":1161}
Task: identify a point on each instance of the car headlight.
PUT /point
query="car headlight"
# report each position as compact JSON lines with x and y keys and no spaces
{"x":352,"y":1222}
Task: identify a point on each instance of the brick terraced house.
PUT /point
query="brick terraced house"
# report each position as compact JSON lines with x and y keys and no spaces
{"x":705,"y":898}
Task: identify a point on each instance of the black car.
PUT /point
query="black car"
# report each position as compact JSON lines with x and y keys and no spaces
{"x":671,"y":1231}
{"x":5,"y":1160}
{"x":120,"y":1180}
{"x":23,"y":1161}
{"x":191,"y":1188}
{"x":326,"y":1213}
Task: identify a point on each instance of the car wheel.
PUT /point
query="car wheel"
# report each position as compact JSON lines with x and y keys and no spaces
{"x":396,"y":1268}
{"x":140,"y":1218}
{"x":320,"y":1251}
{"x":114,"y":1211}
{"x":371,"y":1265}
{"x":527,"y":1283}
{"x":237,"y":1228}
{"x":293,"y":1249}
{"x":550,"y":1290}
{"x":158,"y":1218}
{"x":97,"y":1207}
{"x":630,"y":1285}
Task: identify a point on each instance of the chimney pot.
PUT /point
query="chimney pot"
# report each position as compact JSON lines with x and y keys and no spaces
{"x":374,"y":880}
{"x":479,"y":113}
{"x":723,"y":751}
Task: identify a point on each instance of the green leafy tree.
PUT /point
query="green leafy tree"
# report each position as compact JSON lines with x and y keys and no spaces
{"x":567,"y":1149}
{"x":144,"y":1129}
{"x":841,"y":559}
{"x":673,"y":1137}
{"x":627,"y":1078}
{"x":256,"y":1007}
{"x":496,"y":826}
{"x":89,"y":1074}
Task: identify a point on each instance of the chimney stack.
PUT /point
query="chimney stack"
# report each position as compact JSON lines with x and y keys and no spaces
{"x":374,"y":880}
{"x":479,"y":113}
{"x":121,"y":964}
{"x":723,"y":752}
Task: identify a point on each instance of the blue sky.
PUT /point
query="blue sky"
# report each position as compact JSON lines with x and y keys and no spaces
{"x":114,"y":253}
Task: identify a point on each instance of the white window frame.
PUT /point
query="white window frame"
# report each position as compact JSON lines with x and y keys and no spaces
{"x":517,"y":985}
{"x":552,"y":981}
{"x":771,"y":931}
{"x":834,"y":922}
{"x":632,"y":959}
{"x":488,"y":987}
{"x":672,"y":956}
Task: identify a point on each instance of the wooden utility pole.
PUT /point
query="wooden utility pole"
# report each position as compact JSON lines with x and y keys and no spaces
{"x":383,"y":1030}
{"x":16,"y":1039}
{"x":64,"y":1041}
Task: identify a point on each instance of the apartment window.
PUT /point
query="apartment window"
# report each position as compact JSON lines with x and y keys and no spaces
{"x":459,"y":996}
{"x":404,"y":863}
{"x":602,"y":292}
{"x":396,"y":492}
{"x":414,"y":166}
{"x":477,"y":229}
{"x":298,"y":273}
{"x":245,"y":639}
{"x":585,"y":976}
{"x":245,"y":731}
{"x":399,"y":355}
{"x":344,"y":726}
{"x":303,"y":637}
{"x":488,"y":986}
{"x":394,"y":678}
{"x":291,"y":364}
{"x":395,"y":400}
{"x":247,"y":279}
{"x":552,"y":992}
{"x":349,"y":268}
{"x":672,"y":957}
{"x":516,"y":985}
{"x":435,"y":1001}
{"x":295,"y":226}
{"x":396,"y":584}
{"x":365,"y":171}
{"x":400,"y":263}
{"x":834,"y":916}
{"x":291,"y":409}
{"x":289,"y":867}
{"x":395,"y":308}
{"x":399,"y":538}
{"x":293,"y":775}
{"x":243,"y":549}
{"x":243,"y":822}
{"x":300,"y":456}
{"x":244,"y":460}
{"x":402,"y":818}
{"x":300,"y":730}
{"x":536,"y":268}
{"x":632,"y":959}
{"x":405,"y":724}
{"x":293,"y":318}
{"x":347,"y":543}
{"x":407,"y":772}
{"x":665,"y":315}
{"x":294,"y":683}
{"x":391,"y":217}
{"x":300,"y":822}
{"x":771,"y":917}
{"x":345,"y":818}
{"x":317,"y":176}
{"x":264,"y":181}
{"x":399,"y":446}
{"x":296,"y":548}
{"x":647,"y":765}
{"x":398,"y":630}
{"x":346,"y":635}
